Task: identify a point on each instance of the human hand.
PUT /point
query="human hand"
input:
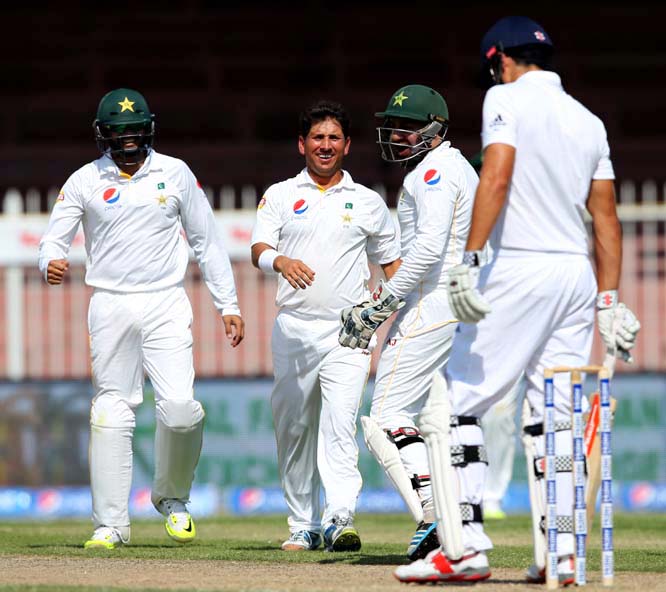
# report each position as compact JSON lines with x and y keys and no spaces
{"x":234,"y":327}
{"x":360,"y":322}
{"x":465,"y":300}
{"x":297,"y":273}
{"x":618,"y":326}
{"x":55,"y":271}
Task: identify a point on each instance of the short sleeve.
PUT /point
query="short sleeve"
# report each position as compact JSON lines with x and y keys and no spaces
{"x":384,"y":245}
{"x":269,"y":221}
{"x":499,"y":124}
{"x":604,"y":168}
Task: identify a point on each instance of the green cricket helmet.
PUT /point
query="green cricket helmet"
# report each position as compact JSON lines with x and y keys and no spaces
{"x":123,"y":115}
{"x":412,"y":104}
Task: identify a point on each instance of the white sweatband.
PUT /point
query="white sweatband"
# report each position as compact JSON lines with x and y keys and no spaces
{"x":266,"y":260}
{"x":607,"y":299}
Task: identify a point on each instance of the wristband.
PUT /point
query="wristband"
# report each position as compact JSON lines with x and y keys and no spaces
{"x":607,"y":299}
{"x":474,"y":258}
{"x":266,"y":260}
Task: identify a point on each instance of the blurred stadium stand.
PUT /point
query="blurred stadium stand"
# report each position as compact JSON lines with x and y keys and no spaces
{"x":227,"y":81}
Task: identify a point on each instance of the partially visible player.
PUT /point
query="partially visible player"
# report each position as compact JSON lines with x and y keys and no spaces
{"x":499,"y":432}
{"x":499,"y":428}
{"x":318,"y":231}
{"x":133,"y":203}
{"x":434,"y":211}
{"x":546,"y":160}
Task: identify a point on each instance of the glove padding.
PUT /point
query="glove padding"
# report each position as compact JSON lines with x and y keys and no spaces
{"x":465,"y":300}
{"x":360,"y":322}
{"x":618,"y":327}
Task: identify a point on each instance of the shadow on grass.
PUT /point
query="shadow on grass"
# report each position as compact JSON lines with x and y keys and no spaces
{"x":363,"y":559}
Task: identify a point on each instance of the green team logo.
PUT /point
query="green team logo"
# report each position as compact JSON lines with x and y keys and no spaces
{"x":349,"y":206}
{"x":160,"y":186}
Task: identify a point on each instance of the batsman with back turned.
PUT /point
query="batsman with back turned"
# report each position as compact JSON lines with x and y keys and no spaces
{"x":532,"y":307}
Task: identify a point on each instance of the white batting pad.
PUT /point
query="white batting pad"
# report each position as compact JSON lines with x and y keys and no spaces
{"x":388,"y":457}
{"x":434,"y":423}
{"x":536,"y":497}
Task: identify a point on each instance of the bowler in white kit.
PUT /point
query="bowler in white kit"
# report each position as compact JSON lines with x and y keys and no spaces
{"x":318,"y":231}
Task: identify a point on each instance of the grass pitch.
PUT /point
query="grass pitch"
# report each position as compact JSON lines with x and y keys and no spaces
{"x":249,"y":547}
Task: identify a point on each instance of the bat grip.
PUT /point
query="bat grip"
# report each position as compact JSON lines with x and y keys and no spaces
{"x":609,"y":361}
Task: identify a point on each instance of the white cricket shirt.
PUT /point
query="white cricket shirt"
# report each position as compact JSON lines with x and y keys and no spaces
{"x":560,"y":147}
{"x":335,"y":232}
{"x":133,"y":228}
{"x":435,"y":212}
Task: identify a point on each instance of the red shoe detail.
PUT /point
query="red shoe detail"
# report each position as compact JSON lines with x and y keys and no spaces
{"x":442,"y":563}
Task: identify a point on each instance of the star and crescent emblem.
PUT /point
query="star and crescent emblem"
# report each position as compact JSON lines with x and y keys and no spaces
{"x":126,"y":105}
{"x":398,"y":99}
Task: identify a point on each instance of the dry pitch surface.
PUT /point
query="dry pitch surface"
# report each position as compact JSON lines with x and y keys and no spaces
{"x":49,"y":555}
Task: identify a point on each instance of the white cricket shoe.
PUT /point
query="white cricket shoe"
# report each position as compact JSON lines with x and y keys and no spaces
{"x":105,"y":537}
{"x":340,"y":535}
{"x":565,"y":572}
{"x":302,"y":540}
{"x":436,"y":567}
{"x":178,"y":524}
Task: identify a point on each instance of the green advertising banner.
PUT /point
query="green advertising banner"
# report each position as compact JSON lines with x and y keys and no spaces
{"x":44,"y":434}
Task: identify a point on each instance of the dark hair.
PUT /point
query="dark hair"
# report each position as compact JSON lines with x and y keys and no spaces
{"x":532,"y":53}
{"x":322,"y":110}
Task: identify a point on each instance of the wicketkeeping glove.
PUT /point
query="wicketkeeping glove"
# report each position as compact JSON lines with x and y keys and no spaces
{"x":360,"y":322}
{"x":618,"y":326}
{"x":465,"y":300}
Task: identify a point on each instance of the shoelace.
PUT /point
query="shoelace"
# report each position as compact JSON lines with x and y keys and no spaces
{"x":343,"y":521}
{"x":301,"y":537}
{"x":173,"y":506}
{"x":104,"y":532}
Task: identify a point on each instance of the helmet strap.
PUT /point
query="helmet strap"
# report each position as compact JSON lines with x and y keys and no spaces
{"x":494,"y":57}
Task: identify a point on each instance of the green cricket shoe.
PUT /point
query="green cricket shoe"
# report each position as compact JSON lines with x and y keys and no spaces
{"x":178,"y":524}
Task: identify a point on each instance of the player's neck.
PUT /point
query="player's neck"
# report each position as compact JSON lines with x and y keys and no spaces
{"x":326,"y":182}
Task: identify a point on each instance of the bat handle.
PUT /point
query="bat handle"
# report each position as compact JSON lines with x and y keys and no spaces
{"x":609,"y":361}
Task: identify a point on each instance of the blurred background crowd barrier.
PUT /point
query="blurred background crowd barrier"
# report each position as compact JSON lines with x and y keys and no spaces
{"x":44,"y":329}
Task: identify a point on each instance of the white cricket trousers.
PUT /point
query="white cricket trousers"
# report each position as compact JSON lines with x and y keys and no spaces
{"x":542,"y":316}
{"x":315,"y":400}
{"x":131,"y":333}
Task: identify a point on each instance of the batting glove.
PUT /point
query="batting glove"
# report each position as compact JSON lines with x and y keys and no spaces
{"x":465,"y":300}
{"x":360,"y":322}
{"x":618,"y":326}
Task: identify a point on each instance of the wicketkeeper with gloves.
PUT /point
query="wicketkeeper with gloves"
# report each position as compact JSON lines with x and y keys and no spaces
{"x":546,"y":160}
{"x":434,"y":211}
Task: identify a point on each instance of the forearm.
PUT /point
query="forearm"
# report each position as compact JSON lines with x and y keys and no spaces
{"x":390,"y":268}
{"x":488,"y":203}
{"x":608,"y":252}
{"x":607,"y":234}
{"x":491,"y":193}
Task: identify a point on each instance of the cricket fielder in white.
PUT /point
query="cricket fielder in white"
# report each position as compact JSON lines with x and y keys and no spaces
{"x":546,"y":160}
{"x":434,"y":212}
{"x":318,"y":231}
{"x":134,"y":204}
